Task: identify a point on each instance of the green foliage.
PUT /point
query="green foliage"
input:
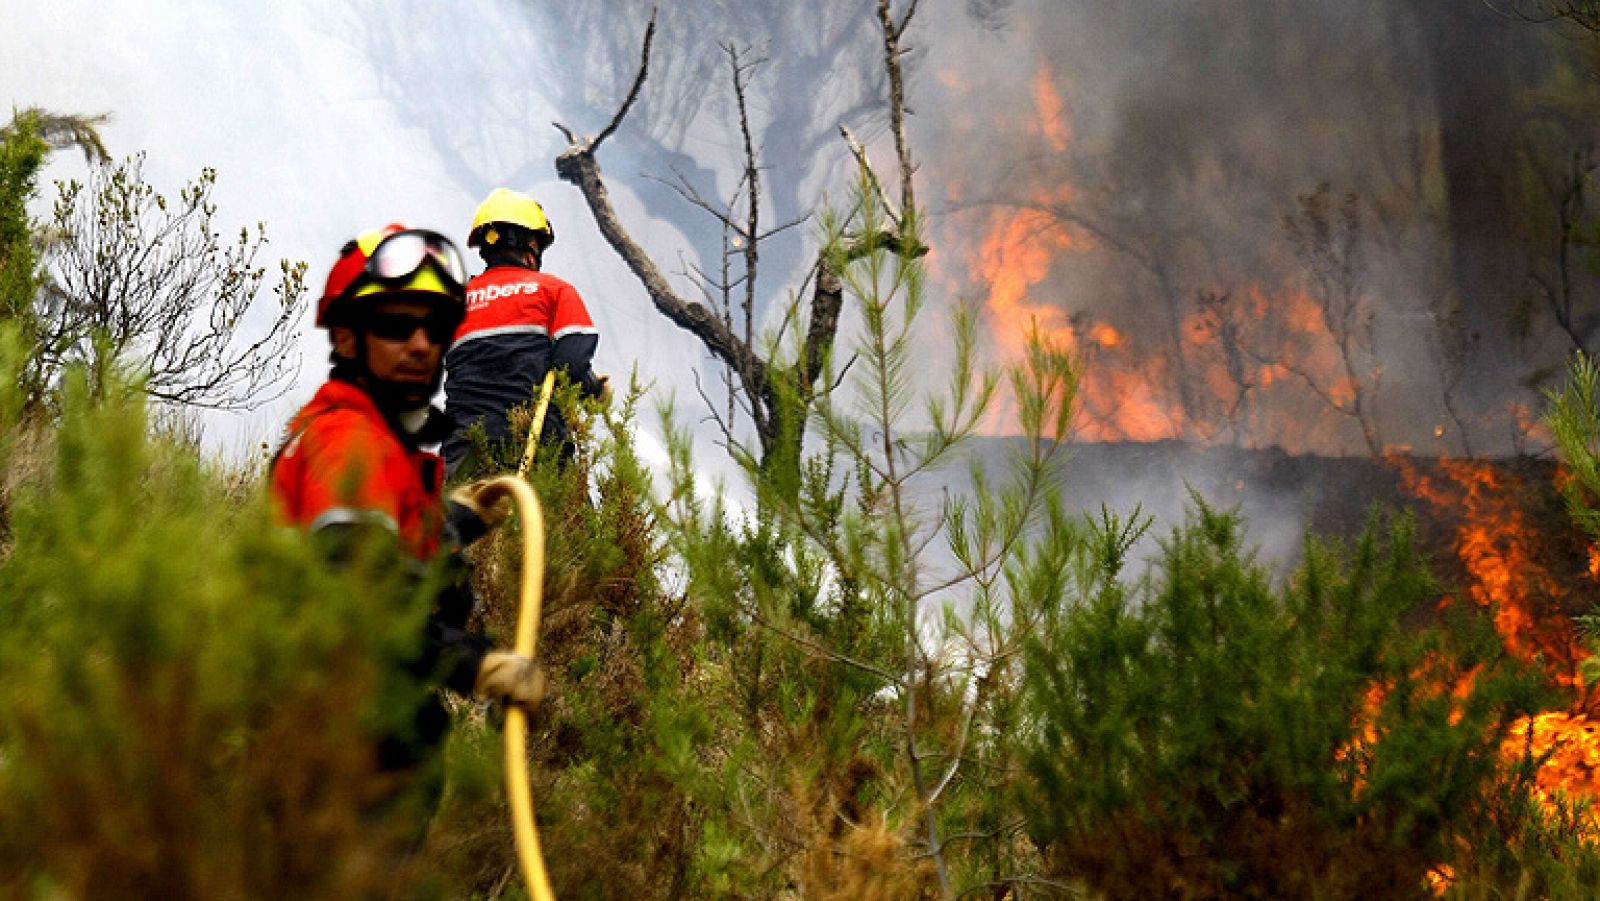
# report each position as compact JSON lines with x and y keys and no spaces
{"x":1574,"y":420}
{"x":22,"y":154}
{"x":898,"y":673}
{"x":1522,"y":848}
{"x":1203,"y":733}
{"x":614,"y":747}
{"x":860,"y":686}
{"x":190,"y":696}
{"x":1573,"y":416}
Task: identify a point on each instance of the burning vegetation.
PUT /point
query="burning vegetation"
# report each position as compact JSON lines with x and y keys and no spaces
{"x":1339,"y":318}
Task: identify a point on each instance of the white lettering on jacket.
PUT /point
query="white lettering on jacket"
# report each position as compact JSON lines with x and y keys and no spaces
{"x":478,"y":298}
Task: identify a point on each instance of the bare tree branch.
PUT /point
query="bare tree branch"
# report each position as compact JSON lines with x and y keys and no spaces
{"x":716,"y":418}
{"x":860,"y":153}
{"x":638,"y":82}
{"x":690,"y":196}
{"x":897,"y":98}
{"x":779,"y":229}
{"x":752,"y":180}
{"x":778,"y":415}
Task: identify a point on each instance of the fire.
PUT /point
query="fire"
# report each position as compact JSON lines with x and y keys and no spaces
{"x":1138,"y":412}
{"x":1053,"y":120}
{"x":1572,"y":741}
{"x":1260,"y":368}
{"x":1014,"y":256}
{"x":1496,"y":544}
{"x":1261,"y":360}
{"x":1105,"y":336}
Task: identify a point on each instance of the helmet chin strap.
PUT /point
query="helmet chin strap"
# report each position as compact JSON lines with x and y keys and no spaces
{"x":412,"y":421}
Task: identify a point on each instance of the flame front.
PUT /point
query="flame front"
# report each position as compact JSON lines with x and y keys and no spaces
{"x":1497,"y":546}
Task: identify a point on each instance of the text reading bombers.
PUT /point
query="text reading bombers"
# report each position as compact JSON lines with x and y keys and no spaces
{"x":478,"y":297}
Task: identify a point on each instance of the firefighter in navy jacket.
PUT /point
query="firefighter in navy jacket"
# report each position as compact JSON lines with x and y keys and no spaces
{"x":520,"y":323}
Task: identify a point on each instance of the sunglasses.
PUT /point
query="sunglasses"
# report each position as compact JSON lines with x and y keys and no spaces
{"x":439,"y":325}
{"x":402,"y":254}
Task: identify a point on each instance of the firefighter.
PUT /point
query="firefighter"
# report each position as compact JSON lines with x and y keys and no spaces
{"x":353,"y":463}
{"x":521,"y":322}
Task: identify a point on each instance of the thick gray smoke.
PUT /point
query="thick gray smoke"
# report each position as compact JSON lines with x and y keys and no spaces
{"x":1181,"y":142}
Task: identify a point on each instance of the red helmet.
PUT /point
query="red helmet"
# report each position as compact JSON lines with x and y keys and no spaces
{"x":390,"y":260}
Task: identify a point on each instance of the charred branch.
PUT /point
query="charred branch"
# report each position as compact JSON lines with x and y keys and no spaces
{"x":752,"y":181}
{"x":1560,"y":292}
{"x":579,"y":167}
{"x":638,"y":83}
{"x":892,"y":32}
{"x":1583,"y":13}
{"x":1329,"y":246}
{"x":860,"y":153}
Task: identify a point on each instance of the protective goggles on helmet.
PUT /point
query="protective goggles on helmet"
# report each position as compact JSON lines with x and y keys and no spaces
{"x":403,"y":254}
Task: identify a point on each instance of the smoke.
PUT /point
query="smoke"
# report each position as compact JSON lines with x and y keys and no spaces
{"x":1157,"y":153}
{"x":1121,"y":174}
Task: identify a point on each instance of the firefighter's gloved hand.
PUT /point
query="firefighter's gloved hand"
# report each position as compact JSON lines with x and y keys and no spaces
{"x":510,"y":679}
{"x":490,"y":503}
{"x":604,"y":397}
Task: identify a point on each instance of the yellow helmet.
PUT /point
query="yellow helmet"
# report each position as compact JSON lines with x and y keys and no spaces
{"x":505,"y":207}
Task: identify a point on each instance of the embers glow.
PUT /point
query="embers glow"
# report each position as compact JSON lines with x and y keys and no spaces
{"x":1498,"y":547}
{"x":1496,"y":544}
{"x":1572,"y":771}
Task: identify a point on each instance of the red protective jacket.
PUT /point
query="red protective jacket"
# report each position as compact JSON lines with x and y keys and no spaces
{"x":344,"y":464}
{"x":520,"y":324}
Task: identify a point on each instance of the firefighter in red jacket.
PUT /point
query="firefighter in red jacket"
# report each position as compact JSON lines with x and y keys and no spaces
{"x":353,"y":461}
{"x":521,"y":322}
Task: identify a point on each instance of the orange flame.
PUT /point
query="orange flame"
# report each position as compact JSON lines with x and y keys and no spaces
{"x":1573,"y":769}
{"x":1498,"y":547}
{"x":1261,"y":369}
{"x":1014,"y":256}
{"x":1496,"y":544}
{"x":1105,"y":336}
{"x":1053,"y":120}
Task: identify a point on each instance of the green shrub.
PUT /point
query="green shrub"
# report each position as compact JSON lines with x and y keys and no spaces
{"x":612,"y":748}
{"x":1204,"y":733}
{"x":188,"y":695}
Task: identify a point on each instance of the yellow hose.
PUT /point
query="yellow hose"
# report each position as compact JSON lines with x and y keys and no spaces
{"x":538,"y":423}
{"x":518,"y":787}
